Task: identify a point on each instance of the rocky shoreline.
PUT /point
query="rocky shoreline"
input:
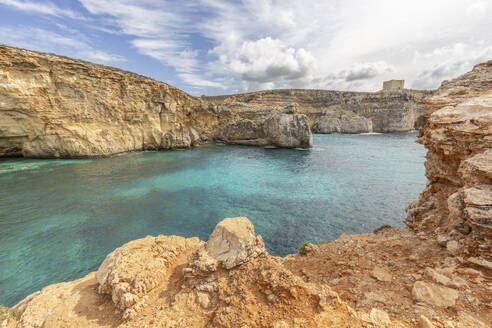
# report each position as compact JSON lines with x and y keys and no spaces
{"x":53,"y":106}
{"x":435,"y":273}
{"x":331,"y":111}
{"x":57,"y":107}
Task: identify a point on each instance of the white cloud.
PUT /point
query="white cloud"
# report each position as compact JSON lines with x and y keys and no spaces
{"x":159,"y":28}
{"x":46,"y":8}
{"x":170,"y":52}
{"x":449,"y":62}
{"x":196,"y":80}
{"x":267,"y":60}
{"x":337,"y":44}
{"x":43,"y":40}
{"x":140,"y":18}
{"x":367,"y":71}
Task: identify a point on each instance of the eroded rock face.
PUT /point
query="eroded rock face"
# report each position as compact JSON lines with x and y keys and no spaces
{"x":400,"y":110}
{"x":132,"y":271}
{"x":342,"y":122}
{"x":457,"y":202}
{"x":266,"y":126}
{"x":53,"y":106}
{"x":233,"y":242}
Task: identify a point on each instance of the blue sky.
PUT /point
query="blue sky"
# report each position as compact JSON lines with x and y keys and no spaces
{"x":218,"y":46}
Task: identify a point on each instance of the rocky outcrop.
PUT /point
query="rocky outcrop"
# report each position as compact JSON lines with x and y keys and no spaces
{"x":342,"y":122}
{"x":457,"y":203}
{"x":233,"y":242}
{"x":392,"y":278}
{"x":386,"y":111}
{"x":53,"y":106}
{"x":271,"y":125}
{"x":152,"y":284}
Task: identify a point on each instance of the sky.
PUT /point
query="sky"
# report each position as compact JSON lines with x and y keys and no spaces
{"x":228,"y":46}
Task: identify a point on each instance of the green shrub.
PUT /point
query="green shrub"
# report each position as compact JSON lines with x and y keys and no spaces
{"x":302,"y":248}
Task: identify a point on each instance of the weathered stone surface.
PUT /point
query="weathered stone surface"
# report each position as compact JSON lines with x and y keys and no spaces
{"x":434,"y":294}
{"x":425,"y":323}
{"x":264,"y":290}
{"x":233,"y":242}
{"x":332,"y":121}
{"x":400,"y":110}
{"x":381,"y":274}
{"x":449,"y":281}
{"x":53,"y":106}
{"x":133,"y":270}
{"x":260,"y":292}
{"x":458,"y":136}
{"x":266,"y":126}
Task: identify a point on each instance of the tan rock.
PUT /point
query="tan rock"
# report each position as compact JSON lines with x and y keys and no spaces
{"x":379,"y":318}
{"x":203,"y":299}
{"x":425,"y":323}
{"x":233,"y":242}
{"x":280,"y":324}
{"x":469,"y":272}
{"x":467,"y":320}
{"x":381,"y":274}
{"x":453,"y":247}
{"x":480,"y":262}
{"x":452,"y":281}
{"x":133,"y":270}
{"x":442,"y":240}
{"x":434,"y":294}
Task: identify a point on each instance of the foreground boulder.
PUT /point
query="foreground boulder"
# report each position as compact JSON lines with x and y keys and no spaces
{"x":233,"y":242}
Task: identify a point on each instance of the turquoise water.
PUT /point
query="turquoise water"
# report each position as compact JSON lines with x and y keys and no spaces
{"x":60,"y":218}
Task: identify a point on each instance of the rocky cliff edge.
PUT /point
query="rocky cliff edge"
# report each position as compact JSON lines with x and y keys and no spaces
{"x":456,"y":205}
{"x":391,"y":278}
{"x":54,"y":106}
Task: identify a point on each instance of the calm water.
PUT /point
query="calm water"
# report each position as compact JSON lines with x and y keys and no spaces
{"x":60,"y":218}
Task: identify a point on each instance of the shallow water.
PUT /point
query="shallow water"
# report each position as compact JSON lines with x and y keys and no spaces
{"x":60,"y":218}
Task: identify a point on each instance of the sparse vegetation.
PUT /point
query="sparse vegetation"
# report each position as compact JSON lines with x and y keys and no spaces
{"x":247,"y":115}
{"x":381,"y":228}
{"x":302,"y":248}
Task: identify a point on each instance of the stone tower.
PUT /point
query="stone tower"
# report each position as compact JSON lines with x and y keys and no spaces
{"x":393,"y":85}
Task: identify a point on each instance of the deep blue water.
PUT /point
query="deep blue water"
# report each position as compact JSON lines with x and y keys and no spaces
{"x":60,"y":218}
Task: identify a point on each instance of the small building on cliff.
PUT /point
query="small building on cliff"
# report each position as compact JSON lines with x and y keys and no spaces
{"x":393,"y":85}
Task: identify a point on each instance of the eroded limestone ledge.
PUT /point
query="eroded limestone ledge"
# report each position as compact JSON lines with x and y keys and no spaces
{"x":343,"y":111}
{"x":456,"y":205}
{"x":53,"y":106}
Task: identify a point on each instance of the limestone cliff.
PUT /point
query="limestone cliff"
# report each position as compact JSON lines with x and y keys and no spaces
{"x":457,"y":202}
{"x":342,"y":122}
{"x":53,"y":106}
{"x":383,"y":111}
